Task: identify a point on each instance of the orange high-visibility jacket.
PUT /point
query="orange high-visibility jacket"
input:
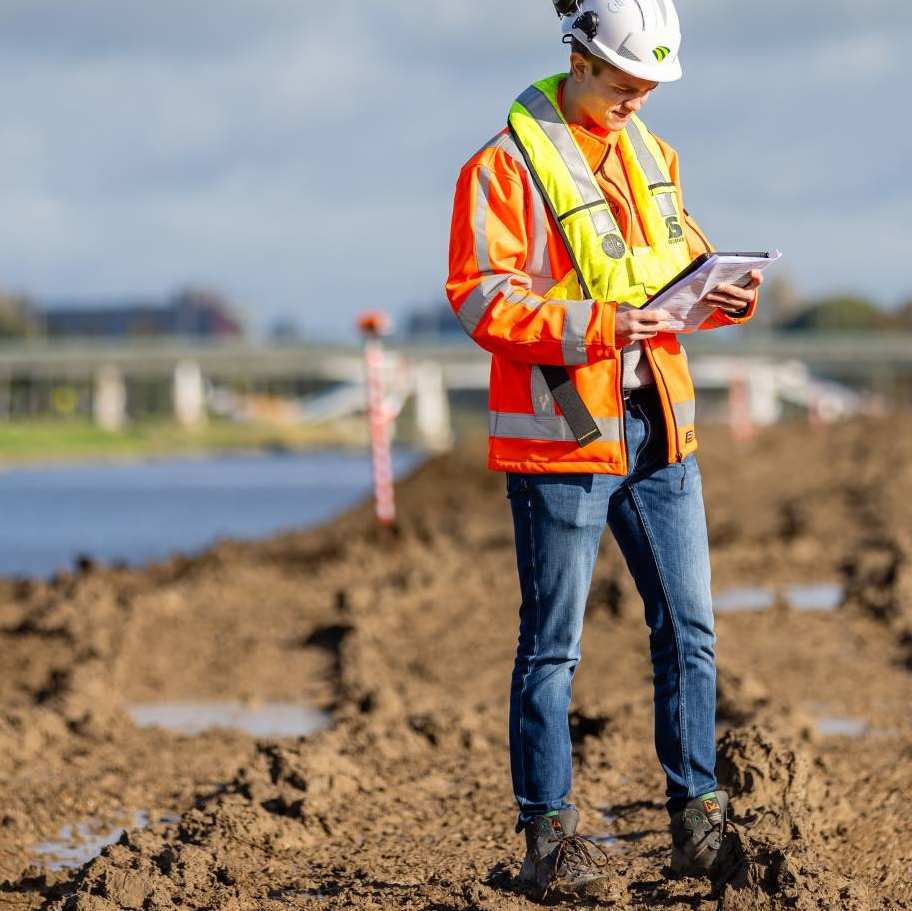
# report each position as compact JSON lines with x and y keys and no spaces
{"x":506,"y":251}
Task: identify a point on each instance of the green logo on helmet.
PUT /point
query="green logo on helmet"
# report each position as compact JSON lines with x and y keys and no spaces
{"x":661,"y":53}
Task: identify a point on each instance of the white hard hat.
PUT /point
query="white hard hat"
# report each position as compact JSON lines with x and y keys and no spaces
{"x":640,"y":37}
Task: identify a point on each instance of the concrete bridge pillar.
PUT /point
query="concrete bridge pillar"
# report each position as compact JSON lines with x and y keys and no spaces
{"x":189,"y":394}
{"x":109,"y":402}
{"x":432,"y":407}
{"x":763,"y":394}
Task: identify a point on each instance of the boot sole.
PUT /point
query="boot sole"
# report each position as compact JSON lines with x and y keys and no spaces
{"x":591,"y":887}
{"x":681,"y":865}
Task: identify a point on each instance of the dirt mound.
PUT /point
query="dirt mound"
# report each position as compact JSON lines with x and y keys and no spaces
{"x":739,"y":696}
{"x":777,"y":790}
{"x":783,"y":809}
{"x":879,"y":584}
{"x":406,"y":636}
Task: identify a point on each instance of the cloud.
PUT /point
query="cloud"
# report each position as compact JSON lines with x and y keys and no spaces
{"x":302,"y":156}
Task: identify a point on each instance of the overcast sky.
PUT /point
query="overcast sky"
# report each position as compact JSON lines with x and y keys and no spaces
{"x":301,"y":156}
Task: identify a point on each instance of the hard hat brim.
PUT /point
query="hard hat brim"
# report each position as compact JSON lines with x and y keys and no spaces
{"x":666,"y":71}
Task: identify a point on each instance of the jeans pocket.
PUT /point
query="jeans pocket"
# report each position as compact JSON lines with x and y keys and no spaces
{"x":685,"y":477}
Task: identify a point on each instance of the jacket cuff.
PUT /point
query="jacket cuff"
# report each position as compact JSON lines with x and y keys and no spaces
{"x":606,"y":341}
{"x":746,"y":312}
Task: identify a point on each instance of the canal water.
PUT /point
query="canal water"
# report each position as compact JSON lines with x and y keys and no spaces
{"x":140,"y":512}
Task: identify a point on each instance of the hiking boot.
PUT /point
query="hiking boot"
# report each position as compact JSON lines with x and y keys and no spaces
{"x":559,"y":860}
{"x":696,"y":834}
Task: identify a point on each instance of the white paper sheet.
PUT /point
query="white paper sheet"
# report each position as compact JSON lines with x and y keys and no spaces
{"x":684,"y":300}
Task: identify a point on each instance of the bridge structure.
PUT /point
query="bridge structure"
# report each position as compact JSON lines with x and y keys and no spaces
{"x":326,"y":379}
{"x":859,"y":354}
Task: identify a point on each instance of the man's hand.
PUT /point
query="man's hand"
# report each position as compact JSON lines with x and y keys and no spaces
{"x":635,"y":325}
{"x":732,"y":298}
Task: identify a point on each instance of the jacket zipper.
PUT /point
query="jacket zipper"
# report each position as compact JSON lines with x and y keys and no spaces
{"x":623,"y":407}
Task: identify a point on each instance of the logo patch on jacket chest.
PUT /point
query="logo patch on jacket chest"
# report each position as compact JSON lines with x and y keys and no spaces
{"x":614,"y":246}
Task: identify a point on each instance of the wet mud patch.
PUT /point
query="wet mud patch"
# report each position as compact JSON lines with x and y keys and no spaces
{"x":270,"y":719}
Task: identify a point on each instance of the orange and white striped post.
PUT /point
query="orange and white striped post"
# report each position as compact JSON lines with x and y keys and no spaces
{"x":372,"y":326}
{"x":815,"y":411}
{"x":739,"y":411}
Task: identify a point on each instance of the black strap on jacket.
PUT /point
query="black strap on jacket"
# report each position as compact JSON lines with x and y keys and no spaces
{"x":582,"y":425}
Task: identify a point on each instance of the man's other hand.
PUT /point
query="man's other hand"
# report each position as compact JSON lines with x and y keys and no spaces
{"x":635,"y":325}
{"x":733,"y":299}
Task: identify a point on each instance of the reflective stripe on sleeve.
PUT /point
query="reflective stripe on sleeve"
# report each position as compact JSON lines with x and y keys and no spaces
{"x":480,"y":219}
{"x":576,"y":322}
{"x":577,"y":314}
{"x":550,"y":428}
{"x":474,"y":306}
{"x":685,"y":412}
{"x":538,"y":263}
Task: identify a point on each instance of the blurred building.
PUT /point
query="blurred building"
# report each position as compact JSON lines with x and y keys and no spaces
{"x":18,"y":317}
{"x":435,"y":323}
{"x":192,"y":313}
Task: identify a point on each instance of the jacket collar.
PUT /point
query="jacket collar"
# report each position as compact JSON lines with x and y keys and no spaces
{"x":595,"y":144}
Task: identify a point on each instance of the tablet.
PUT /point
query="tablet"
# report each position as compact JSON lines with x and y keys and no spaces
{"x":702,"y":260}
{"x":683,"y":296}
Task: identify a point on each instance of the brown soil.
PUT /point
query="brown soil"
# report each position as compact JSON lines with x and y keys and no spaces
{"x":407,"y":636}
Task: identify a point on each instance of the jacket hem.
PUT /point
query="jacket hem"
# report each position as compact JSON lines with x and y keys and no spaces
{"x":565,"y":467}
{"x":557,"y":467}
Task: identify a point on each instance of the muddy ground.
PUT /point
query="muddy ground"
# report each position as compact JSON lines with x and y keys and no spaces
{"x":407,"y":639}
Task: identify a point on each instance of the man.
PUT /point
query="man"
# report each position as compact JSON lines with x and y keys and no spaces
{"x":563,"y":225}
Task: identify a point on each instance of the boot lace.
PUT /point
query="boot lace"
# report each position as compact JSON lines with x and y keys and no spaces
{"x":576,"y":854}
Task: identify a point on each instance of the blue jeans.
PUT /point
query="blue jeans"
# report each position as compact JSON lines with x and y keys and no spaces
{"x":656,"y":515}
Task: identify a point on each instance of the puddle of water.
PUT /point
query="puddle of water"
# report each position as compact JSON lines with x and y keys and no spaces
{"x":736,"y":600}
{"x":78,"y":844}
{"x":269,"y":719}
{"x":606,"y":839}
{"x":824,"y":597}
{"x":836,"y":726}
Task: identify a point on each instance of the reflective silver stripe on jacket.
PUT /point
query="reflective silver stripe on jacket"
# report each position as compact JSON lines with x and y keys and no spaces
{"x":665,"y":201}
{"x":515,"y":290}
{"x":576,"y":321}
{"x":685,"y":412}
{"x":550,"y":428}
{"x":480,"y":219}
{"x":542,"y":399}
{"x":637,"y":371}
{"x":474,"y":306}
{"x":493,"y":283}
{"x":518,"y":289}
{"x":541,"y":108}
{"x":538,"y":263}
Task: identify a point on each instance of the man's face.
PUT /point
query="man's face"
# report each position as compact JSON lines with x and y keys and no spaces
{"x":610,"y":98}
